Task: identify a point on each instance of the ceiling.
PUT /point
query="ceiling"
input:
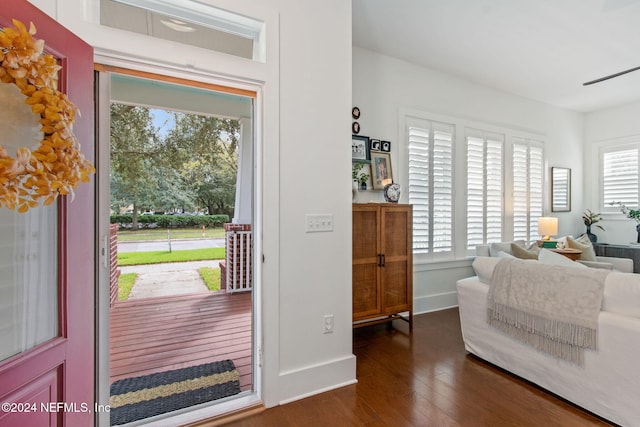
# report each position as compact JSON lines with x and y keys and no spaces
{"x":539,"y":49}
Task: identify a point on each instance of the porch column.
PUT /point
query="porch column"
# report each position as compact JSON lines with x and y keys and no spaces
{"x":244,"y":183}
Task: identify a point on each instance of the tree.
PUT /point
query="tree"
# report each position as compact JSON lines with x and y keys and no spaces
{"x":135,"y":151}
{"x":211,"y":146}
{"x":192,"y":166}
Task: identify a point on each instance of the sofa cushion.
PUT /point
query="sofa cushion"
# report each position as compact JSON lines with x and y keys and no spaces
{"x":597,"y":264}
{"x":584,"y":244}
{"x":622,"y":294}
{"x":549,"y":257}
{"x":496,"y":247}
{"x":503,"y":254}
{"x":522,"y":253}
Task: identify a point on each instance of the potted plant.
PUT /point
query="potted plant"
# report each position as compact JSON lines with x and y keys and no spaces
{"x":359,"y":177}
{"x":591,"y":218}
{"x":633,"y":214}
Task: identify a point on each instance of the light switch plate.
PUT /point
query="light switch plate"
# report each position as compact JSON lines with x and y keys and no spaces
{"x":316,"y":223}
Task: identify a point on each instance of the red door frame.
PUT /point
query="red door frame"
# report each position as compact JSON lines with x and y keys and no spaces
{"x":68,"y":360}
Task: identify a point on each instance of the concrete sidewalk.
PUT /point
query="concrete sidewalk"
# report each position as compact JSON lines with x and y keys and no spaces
{"x":176,"y":278}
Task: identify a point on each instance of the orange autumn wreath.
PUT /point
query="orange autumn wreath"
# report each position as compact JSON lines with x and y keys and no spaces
{"x":57,"y":165}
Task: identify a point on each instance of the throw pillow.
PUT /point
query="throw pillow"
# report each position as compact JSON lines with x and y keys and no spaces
{"x":483,"y":266}
{"x":494,"y":248}
{"x":584,"y":244}
{"x":522,"y":253}
{"x":549,"y":257}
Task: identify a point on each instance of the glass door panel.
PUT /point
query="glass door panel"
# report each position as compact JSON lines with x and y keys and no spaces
{"x":28,"y":246}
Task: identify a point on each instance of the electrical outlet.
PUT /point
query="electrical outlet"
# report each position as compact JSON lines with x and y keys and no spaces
{"x":315,"y":223}
{"x":328,"y":323}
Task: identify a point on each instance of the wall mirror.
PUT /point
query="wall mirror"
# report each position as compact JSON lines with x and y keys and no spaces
{"x":560,"y":189}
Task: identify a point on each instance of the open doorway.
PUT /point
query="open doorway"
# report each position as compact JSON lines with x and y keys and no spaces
{"x":181,"y":168}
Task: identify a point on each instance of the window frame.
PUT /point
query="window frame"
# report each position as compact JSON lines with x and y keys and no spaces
{"x":536,"y":142}
{"x":459,"y":229}
{"x":486,"y":137}
{"x":432,"y":254}
{"x":608,"y":146}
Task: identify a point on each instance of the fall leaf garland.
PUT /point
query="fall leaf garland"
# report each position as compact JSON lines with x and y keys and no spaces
{"x":57,"y":166}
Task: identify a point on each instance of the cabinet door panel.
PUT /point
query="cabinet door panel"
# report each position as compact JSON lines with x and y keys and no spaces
{"x":396,"y":293}
{"x":396,"y":226}
{"x":366,"y":299}
{"x":365,"y":236}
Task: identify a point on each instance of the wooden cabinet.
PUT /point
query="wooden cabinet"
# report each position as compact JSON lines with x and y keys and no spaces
{"x":382,"y":263}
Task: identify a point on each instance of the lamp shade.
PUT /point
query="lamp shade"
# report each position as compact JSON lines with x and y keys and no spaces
{"x":547,"y":226}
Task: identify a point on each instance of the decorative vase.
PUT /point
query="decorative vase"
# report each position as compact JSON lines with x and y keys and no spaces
{"x":363,"y":186}
{"x":392,"y":192}
{"x":591,"y":236}
{"x":638,"y":231}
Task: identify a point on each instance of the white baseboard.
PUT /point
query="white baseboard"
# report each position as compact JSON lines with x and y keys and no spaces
{"x":308,"y":381}
{"x":435,"y":302}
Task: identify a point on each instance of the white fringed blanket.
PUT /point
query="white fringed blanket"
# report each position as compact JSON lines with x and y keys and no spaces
{"x":552,"y":308}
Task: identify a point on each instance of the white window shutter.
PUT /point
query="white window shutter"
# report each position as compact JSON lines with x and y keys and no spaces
{"x":484,"y":187}
{"x":431,"y":185}
{"x":620,"y":177}
{"x":528,"y":175}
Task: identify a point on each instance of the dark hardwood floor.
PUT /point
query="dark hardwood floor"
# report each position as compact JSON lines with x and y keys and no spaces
{"x":426,"y":379}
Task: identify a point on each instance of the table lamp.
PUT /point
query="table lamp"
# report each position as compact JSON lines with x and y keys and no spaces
{"x":547,"y":227}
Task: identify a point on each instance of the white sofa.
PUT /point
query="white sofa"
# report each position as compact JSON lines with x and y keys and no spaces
{"x":623,"y":265}
{"x":608,"y":384}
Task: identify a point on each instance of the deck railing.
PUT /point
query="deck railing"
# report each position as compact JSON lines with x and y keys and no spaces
{"x":239,"y":257}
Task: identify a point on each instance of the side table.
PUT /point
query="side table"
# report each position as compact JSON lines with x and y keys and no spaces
{"x":572,"y":254}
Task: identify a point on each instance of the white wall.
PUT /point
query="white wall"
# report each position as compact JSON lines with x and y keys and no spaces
{"x":305,"y":90}
{"x":383,"y":86}
{"x":611,"y":125}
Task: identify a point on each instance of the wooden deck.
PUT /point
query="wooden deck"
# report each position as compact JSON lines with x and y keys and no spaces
{"x":160,"y":334}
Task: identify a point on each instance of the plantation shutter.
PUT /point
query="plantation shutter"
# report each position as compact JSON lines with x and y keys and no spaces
{"x":431,"y":185}
{"x":620,"y":177}
{"x":528,"y":173}
{"x":536,"y":189}
{"x":484,"y":187}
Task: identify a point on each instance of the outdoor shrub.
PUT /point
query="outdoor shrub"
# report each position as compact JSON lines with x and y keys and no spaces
{"x":121,"y":219}
{"x":171,"y":221}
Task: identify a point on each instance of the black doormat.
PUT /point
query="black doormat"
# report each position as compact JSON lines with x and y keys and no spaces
{"x":143,"y":397}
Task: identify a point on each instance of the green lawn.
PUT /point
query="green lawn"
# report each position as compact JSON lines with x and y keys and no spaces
{"x":157,"y":257}
{"x":161,"y":234}
{"x":211,"y":277}
{"x":125,"y":283}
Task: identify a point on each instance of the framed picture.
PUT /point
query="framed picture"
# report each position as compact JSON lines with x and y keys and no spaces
{"x":385,"y":146}
{"x":381,"y":170}
{"x":355,"y":113}
{"x":375,"y":144}
{"x":355,"y":127}
{"x":560,"y":189}
{"x":360,"y":149}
